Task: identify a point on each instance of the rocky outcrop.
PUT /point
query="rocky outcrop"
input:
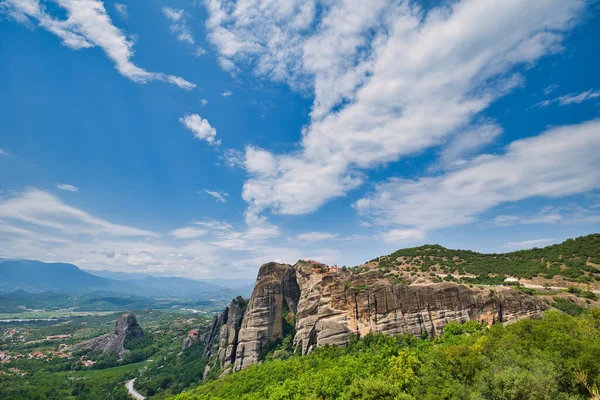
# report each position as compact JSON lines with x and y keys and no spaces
{"x":126,"y":329}
{"x":191,"y":339}
{"x":274,"y":300}
{"x":321,"y":305}
{"x":335,"y":306}
{"x":221,"y":341}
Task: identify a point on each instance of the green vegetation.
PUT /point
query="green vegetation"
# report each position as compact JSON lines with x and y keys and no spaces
{"x":569,"y":259}
{"x":53,"y":377}
{"x":527,"y":360}
{"x":172,"y":373}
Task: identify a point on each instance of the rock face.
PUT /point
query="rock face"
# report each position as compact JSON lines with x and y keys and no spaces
{"x":275,"y":297}
{"x":126,"y":328}
{"x":321,"y":305}
{"x":222,"y":340}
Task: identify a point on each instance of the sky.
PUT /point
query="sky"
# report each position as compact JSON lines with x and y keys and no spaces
{"x":202,"y":138}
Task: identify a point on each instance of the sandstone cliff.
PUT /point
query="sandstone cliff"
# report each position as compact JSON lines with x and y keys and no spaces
{"x":126,"y":328}
{"x":321,"y":305}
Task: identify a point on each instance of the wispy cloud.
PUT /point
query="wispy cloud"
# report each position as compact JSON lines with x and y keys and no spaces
{"x":88,"y":25}
{"x":203,"y":102}
{"x":188,"y":233}
{"x":221,"y":197}
{"x":201,"y":128}
{"x":3,"y":152}
{"x":572,"y":98}
{"x":560,"y":162}
{"x":226,"y":94}
{"x":67,"y":187}
{"x":178,"y":25}
{"x":528,"y":243}
{"x":567,"y":215}
{"x":122,"y":10}
{"x":37,"y":225}
{"x":39,"y":208}
{"x":402,"y":236}
{"x":316,"y":236}
{"x":550,"y":88}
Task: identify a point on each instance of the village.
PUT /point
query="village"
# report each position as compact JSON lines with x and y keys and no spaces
{"x":62,"y":351}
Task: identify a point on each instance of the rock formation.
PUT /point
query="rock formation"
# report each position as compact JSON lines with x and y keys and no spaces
{"x":321,"y":305}
{"x":126,"y":328}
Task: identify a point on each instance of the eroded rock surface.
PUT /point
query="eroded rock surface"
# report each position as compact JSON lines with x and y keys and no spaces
{"x":328,"y":306}
{"x":126,"y":328}
{"x":275,"y":296}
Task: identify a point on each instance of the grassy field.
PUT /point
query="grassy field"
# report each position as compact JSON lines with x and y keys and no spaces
{"x":108,"y":372}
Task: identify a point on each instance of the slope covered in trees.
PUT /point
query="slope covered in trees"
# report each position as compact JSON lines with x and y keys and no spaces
{"x":556,"y":357}
{"x":575,"y":260}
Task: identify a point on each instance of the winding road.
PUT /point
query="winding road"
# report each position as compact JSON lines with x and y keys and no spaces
{"x":132,"y":391}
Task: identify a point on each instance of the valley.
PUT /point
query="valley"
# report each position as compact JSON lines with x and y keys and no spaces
{"x":393,"y":314}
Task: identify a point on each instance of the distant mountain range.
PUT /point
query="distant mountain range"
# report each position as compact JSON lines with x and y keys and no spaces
{"x":37,"y":277}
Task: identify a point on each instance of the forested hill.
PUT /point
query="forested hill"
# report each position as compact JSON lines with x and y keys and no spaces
{"x":574,"y":260}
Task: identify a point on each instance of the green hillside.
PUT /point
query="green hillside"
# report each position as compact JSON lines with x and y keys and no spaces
{"x":576,"y":260}
{"x":528,"y":360}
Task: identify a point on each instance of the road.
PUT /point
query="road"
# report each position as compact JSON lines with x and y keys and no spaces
{"x":132,"y":391}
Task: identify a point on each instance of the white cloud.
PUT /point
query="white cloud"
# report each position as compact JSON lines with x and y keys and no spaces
{"x":122,"y":10}
{"x":201,"y":128}
{"x":265,"y":34}
{"x":572,"y":98}
{"x":315,"y":236}
{"x":203,"y":102}
{"x":188,"y":232}
{"x":568,"y":215}
{"x":182,"y":83}
{"x":560,"y":162}
{"x":178,"y":25}
{"x":37,"y":225}
{"x":528,"y":243}
{"x":67,"y":187}
{"x":467,"y":143}
{"x":221,"y":197}
{"x":400,"y":236}
{"x":214,"y":225}
{"x":233,"y":158}
{"x":88,"y":25}
{"x":550,"y":88}
{"x":389,"y":80}
{"x":42,"y":209}
{"x":226,"y":94}
{"x":199,"y":52}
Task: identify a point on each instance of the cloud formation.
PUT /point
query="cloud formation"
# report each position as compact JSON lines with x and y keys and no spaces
{"x":88,"y":25}
{"x":315,"y":236}
{"x":122,"y":10}
{"x":37,"y":225}
{"x":389,"y":80}
{"x":560,"y":162}
{"x":201,"y":128}
{"x":178,"y":25}
{"x":571,"y":98}
{"x":67,"y":187}
{"x":221,"y":197}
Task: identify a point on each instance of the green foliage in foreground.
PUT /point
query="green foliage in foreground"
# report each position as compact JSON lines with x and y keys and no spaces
{"x":527,"y":360}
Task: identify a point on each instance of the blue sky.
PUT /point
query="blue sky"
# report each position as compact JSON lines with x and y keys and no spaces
{"x":203,"y":138}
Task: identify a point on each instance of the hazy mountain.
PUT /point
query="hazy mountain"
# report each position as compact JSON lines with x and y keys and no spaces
{"x":118,"y":276}
{"x":37,"y":276}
